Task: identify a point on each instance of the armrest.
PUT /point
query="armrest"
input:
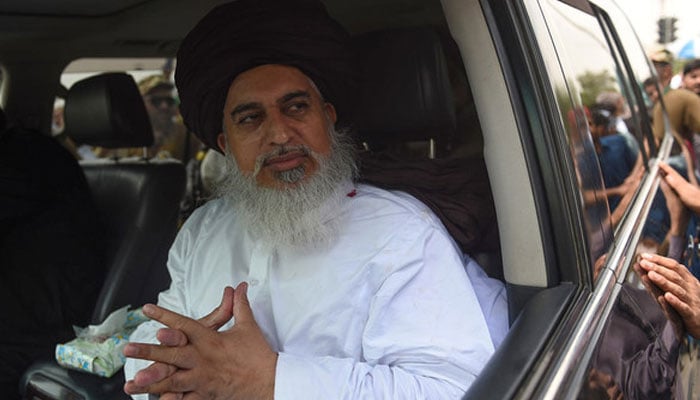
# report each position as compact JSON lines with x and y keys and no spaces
{"x":46,"y":380}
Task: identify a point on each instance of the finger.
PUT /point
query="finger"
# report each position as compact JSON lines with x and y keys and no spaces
{"x":670,"y":172}
{"x":221,"y":314}
{"x":666,"y":284}
{"x":660,"y":260}
{"x":171,"y":396}
{"x":155,"y":372}
{"x":651,"y":287}
{"x":667,"y":272}
{"x":241,"y":306}
{"x":180,"y":356}
{"x":171,"y":337}
{"x":181,"y":381}
{"x":680,"y":306}
{"x":191,"y":328}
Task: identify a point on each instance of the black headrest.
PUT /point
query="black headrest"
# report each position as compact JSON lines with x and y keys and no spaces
{"x":405,"y":92}
{"x":107,"y":110}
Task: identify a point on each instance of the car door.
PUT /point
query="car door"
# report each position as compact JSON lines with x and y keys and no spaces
{"x":591,"y":328}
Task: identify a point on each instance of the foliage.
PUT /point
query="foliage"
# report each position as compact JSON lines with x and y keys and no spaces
{"x":593,"y":83}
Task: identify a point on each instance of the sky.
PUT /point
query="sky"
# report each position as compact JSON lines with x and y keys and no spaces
{"x":644,"y":13}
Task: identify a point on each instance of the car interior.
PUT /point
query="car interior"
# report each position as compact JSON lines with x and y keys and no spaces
{"x":430,"y":120}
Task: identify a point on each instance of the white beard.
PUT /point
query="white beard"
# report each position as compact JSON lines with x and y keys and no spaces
{"x":296,"y":216}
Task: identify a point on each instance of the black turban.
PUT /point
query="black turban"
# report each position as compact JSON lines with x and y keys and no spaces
{"x":243,"y":34}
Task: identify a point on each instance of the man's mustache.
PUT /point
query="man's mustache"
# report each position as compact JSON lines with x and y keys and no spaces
{"x":278,"y":151}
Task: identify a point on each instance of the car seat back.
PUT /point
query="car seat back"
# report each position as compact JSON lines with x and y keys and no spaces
{"x":138,"y":199}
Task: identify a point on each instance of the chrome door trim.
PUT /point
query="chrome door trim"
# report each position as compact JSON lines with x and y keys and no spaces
{"x":567,"y":372}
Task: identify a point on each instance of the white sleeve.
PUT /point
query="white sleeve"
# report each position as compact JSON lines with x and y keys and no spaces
{"x":173,"y":299}
{"x":492,"y":297}
{"x":425,"y":337}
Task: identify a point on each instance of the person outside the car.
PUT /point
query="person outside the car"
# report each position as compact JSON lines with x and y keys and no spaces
{"x":691,"y":76}
{"x":663,"y":63}
{"x":170,"y":136}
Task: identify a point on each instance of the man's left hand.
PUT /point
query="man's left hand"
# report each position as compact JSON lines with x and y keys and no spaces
{"x":237,"y":363}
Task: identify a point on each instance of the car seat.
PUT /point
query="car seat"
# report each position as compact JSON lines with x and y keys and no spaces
{"x":407,"y":121}
{"x":138,"y":202}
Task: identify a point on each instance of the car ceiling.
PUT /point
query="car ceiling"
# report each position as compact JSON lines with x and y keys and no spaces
{"x":154,"y":28}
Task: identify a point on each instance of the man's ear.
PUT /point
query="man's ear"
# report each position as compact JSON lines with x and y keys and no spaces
{"x":221,"y":141}
{"x":330,"y":112}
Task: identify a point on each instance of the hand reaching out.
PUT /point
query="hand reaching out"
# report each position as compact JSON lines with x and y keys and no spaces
{"x":681,"y":290}
{"x":687,"y":192}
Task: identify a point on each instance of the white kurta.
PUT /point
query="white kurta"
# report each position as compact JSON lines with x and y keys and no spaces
{"x":386,"y":312}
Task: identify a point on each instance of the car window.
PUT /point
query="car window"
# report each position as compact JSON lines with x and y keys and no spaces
{"x":603,"y":120}
{"x":138,"y":68}
{"x":636,"y":355}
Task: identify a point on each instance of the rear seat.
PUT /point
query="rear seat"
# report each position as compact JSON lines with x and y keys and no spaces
{"x":138,"y":203}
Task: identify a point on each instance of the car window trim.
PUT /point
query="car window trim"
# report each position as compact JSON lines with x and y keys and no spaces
{"x":566,"y":379}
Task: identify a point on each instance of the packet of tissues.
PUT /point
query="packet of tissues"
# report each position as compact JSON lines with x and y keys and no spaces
{"x":97,"y":349}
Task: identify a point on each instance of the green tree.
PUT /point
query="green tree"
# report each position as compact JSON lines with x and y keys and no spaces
{"x":593,"y":83}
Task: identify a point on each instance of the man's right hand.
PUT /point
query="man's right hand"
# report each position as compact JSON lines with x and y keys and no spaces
{"x":158,"y":371}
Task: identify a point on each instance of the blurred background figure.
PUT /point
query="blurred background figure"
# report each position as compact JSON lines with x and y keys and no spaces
{"x":171,"y":138}
{"x":691,"y":76}
{"x":615,"y":103}
{"x":652,"y":92}
{"x":663,"y":62}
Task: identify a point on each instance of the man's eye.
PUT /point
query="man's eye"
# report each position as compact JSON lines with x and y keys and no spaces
{"x":298,"y":107}
{"x":248,"y":118}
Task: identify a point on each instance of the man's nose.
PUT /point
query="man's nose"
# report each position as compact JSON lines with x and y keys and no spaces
{"x":278,"y":129}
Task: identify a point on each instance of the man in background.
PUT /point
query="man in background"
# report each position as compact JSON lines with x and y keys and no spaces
{"x":170,"y":136}
{"x":691,"y":76}
{"x":663,"y":62}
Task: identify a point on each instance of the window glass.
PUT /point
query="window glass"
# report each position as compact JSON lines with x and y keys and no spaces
{"x":139,"y":68}
{"x":641,"y":345}
{"x":154,"y":77}
{"x":602,"y":120}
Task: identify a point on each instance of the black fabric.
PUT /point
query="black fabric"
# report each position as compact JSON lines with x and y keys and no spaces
{"x":238,"y":36}
{"x":107,"y":110}
{"x":51,"y":267}
{"x":457,"y":190}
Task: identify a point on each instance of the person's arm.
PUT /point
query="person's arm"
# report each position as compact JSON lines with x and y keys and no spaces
{"x":688,"y":193}
{"x":425,"y":337}
{"x":679,"y":222}
{"x":651,"y":373}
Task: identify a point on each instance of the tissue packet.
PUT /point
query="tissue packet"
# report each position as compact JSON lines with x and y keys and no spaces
{"x":97,"y":349}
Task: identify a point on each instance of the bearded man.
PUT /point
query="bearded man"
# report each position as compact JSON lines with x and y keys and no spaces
{"x":343,"y":290}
